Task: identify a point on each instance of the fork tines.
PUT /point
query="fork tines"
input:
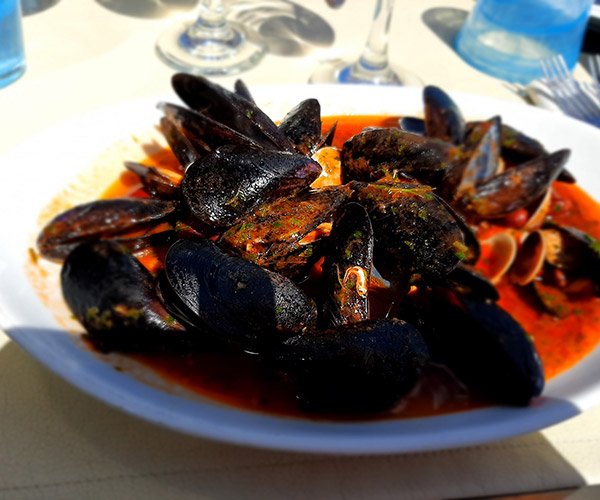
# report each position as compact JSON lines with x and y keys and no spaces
{"x":569,"y":94}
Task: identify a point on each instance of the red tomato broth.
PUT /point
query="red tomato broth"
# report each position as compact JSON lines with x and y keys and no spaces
{"x":239,"y":380}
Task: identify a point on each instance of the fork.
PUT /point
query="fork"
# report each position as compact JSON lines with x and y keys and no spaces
{"x":594,"y":63}
{"x":568,"y":93}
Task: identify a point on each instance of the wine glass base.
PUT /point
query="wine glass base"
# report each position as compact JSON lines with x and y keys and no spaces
{"x":210,"y":56}
{"x":340,"y":71}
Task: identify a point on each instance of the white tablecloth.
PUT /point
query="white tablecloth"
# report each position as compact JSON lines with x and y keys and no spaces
{"x":56,"y":442}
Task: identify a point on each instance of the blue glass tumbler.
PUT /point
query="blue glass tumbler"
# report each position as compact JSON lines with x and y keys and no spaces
{"x":507,"y":38}
{"x":12,"y":51}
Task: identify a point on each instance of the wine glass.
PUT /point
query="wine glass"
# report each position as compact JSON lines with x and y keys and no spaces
{"x":211,"y":45}
{"x":373,"y":65}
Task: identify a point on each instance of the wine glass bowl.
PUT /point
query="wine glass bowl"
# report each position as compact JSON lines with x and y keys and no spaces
{"x":211,"y":45}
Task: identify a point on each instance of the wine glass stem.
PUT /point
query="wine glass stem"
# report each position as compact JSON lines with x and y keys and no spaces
{"x":211,"y":19}
{"x":375,"y":53}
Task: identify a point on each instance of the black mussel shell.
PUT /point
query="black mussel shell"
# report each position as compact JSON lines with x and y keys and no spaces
{"x":274,"y":232}
{"x":156,"y":183}
{"x":235,"y":299}
{"x":472,"y":250}
{"x":231,"y":182}
{"x":113,"y":296}
{"x":480,"y":342}
{"x":181,"y":146}
{"x":359,"y":367}
{"x":517,"y":147}
{"x":347,"y":267}
{"x":416,"y":238}
{"x":443,"y":118}
{"x":100,"y":219}
{"x":386,"y":152}
{"x":202,"y":132}
{"x":230,"y":109}
{"x":412,"y":124}
{"x":242,"y":90}
{"x":515,"y":188}
{"x":481,"y":160}
{"x":302,"y":125}
{"x":467,"y":281}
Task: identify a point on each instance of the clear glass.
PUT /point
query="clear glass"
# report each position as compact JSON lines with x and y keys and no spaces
{"x":507,"y":38}
{"x":211,"y":45}
{"x":373,"y":65}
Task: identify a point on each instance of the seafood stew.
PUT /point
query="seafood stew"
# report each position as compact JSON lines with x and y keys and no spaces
{"x":418,"y":198}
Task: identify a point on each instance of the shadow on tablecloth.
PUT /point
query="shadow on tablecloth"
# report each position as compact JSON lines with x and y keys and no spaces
{"x":57,"y":442}
{"x":445,"y":22}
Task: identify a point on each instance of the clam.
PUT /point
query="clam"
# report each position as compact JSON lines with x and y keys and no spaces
{"x":530,"y":259}
{"x":500,"y":250}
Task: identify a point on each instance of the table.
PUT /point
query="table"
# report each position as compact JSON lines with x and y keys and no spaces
{"x":59,"y":443}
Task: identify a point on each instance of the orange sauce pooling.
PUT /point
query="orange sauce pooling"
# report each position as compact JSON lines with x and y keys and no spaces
{"x":239,"y":380}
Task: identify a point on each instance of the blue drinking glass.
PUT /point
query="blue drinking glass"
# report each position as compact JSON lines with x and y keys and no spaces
{"x":12,"y":51}
{"x":507,"y":38}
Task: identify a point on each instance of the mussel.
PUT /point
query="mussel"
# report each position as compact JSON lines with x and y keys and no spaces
{"x":235,"y":299}
{"x":113,"y":296}
{"x":359,"y":367}
{"x":347,"y":267}
{"x":480,"y":342}
{"x":416,"y":238}
{"x":102,"y":219}
{"x":231,"y":182}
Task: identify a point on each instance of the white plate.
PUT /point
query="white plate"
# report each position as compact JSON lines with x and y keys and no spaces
{"x":35,"y":171}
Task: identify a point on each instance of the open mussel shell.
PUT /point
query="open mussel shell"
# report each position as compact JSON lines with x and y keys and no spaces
{"x":302,"y":125}
{"x":482,"y":162}
{"x":242,"y":90}
{"x":481,"y":343}
{"x":517,"y":147}
{"x":384,"y":152}
{"x":158,"y":184}
{"x":180,"y":145}
{"x":359,"y":367}
{"x":100,"y":219}
{"x":231,"y":182}
{"x":573,"y":251}
{"x":230,"y":109}
{"x":274,"y":232}
{"x":443,"y":118}
{"x":200,"y":131}
{"x":235,"y":299}
{"x":570,"y":248}
{"x":113,"y":296}
{"x":554,"y":300}
{"x":416,"y":238}
{"x":412,"y":124}
{"x":347,"y":267}
{"x":515,"y":188}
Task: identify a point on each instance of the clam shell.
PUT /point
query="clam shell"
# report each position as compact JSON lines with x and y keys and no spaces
{"x":503,"y":253}
{"x":530,"y":259}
